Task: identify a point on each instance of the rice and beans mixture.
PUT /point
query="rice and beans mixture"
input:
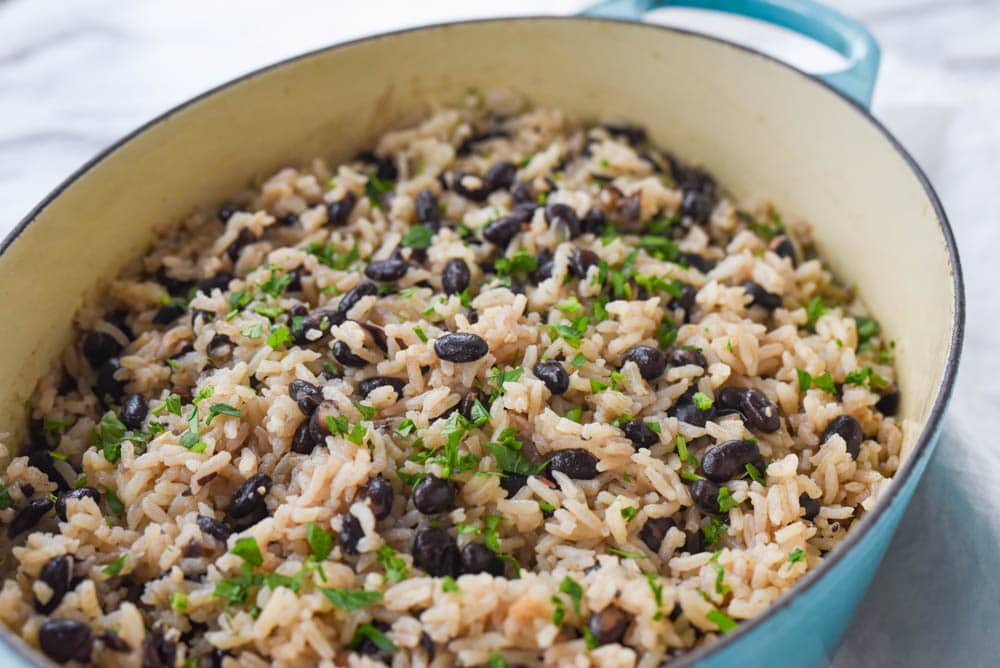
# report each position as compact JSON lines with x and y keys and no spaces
{"x":507,"y":390}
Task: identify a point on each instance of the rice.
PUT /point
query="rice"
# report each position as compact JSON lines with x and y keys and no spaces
{"x":461,"y":400}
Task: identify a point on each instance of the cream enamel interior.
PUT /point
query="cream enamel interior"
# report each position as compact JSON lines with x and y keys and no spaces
{"x":762,"y":129}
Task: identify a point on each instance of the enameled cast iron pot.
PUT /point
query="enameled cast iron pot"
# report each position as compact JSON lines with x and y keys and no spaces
{"x":762,"y":127}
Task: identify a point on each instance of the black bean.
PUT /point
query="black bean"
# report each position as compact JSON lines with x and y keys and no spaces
{"x":500,"y":231}
{"x":342,"y":353}
{"x":319,"y":426}
{"x":369,"y":385}
{"x":244,"y":238}
{"x":306,"y":395}
{"x":114,"y":642}
{"x":350,"y":533}
{"x":392,"y":268}
{"x":42,"y":460}
{"x":220,"y":281}
{"x":288,"y":219}
{"x":435,"y":552}
{"x":581,"y":260}
{"x":469,"y":143}
{"x":78,"y":493}
{"x":455,"y":277}
{"x":782,"y":246}
{"x":470,"y":186}
{"x":705,"y":494}
{"x":461,"y":347}
{"x":524,"y":211}
{"x":543,"y":266}
{"x":512,"y":482}
{"x":575,"y":463}
{"x":169,"y":313}
{"x":29,"y":516}
{"x":250,"y":495}
{"x":302,"y":441}
{"x":350,"y":300}
{"x":633,"y":134}
{"x":158,"y":651}
{"x":848,"y":429}
{"x":565,"y":216}
{"x":686,"y":300}
{"x":214,"y":528}
{"x":56,"y":573}
{"x":650,"y":361}
{"x":134,"y":410}
{"x":686,"y":356}
{"x":499,"y":176}
{"x":654,"y":531}
{"x":700,"y":193}
{"x":889,"y":403}
{"x":552,"y":373}
{"x":728,"y":460}
{"x":377,"y":334}
{"x":428,"y":210}
{"x":687,"y":412}
{"x":608,"y":626}
{"x":380,"y":494}
{"x":809,"y":505}
{"x":338,"y":212}
{"x":761,"y":297}
{"x":758,"y":411}
{"x":477,"y":558}
{"x":522,"y":193}
{"x":694,"y":542}
{"x":640,"y":434}
{"x":594,"y":221}
{"x":226,"y":211}
{"x":702,"y":264}
{"x":107,"y":385}
{"x":629,"y":209}
{"x":65,"y":640}
{"x":697,"y":205}
{"x":467,"y":403}
{"x":295,"y":284}
{"x":220,"y":346}
{"x":99,"y":347}
{"x":434,"y":495}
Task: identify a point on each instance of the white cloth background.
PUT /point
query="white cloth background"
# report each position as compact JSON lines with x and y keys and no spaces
{"x":75,"y":76}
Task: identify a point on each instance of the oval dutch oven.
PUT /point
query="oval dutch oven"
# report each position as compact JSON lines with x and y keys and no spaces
{"x":762,"y":127}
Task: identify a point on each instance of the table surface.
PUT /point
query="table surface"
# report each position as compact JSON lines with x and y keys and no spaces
{"x":75,"y":76}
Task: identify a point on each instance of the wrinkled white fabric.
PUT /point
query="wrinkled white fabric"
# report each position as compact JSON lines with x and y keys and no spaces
{"x":75,"y":76}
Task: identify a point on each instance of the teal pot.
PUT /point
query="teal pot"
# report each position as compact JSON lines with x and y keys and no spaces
{"x":761,"y":126}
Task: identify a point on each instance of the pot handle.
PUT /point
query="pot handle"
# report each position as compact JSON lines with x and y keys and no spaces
{"x":827,"y":26}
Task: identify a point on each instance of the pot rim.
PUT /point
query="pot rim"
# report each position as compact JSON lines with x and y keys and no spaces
{"x":921,"y":448}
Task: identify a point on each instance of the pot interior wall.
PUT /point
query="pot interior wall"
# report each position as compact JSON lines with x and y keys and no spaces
{"x":762,"y":129}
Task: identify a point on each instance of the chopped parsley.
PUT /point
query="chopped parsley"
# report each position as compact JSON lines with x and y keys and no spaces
{"x":501,"y":376}
{"x":420,"y":334}
{"x":868,"y":328}
{"x":279,"y":336}
{"x":726,"y":501}
{"x":376,"y":187}
{"x":713,"y":531}
{"x":253,"y":331}
{"x":558,"y":611}
{"x":796,"y":555}
{"x":572,"y":333}
{"x":629,"y":513}
{"x":866,"y":376}
{"x":571,"y":306}
{"x":572,"y":588}
{"x":490,"y":537}
{"x":448,"y":585}
{"x":702,"y":401}
{"x":497,"y":660}
{"x":320,"y":541}
{"x":179,"y":601}
{"x":418,"y":236}
{"x":479,"y":414}
{"x":114,"y":503}
{"x":395,"y":567}
{"x":367,"y":412}
{"x":660,"y":247}
{"x":109,"y":436}
{"x":720,"y":573}
{"x":379,"y":639}
{"x":579,"y":359}
{"x":824,"y":381}
{"x":755,"y":474}
{"x":358,"y":434}
{"x":350,"y":599}
{"x":328,"y":257}
{"x":682,"y":452}
{"x":221,"y":409}
{"x":589,"y":640}
{"x":247,"y":549}
{"x":506,"y":450}
{"x":625,"y":554}
{"x":406,"y":427}
{"x":521,"y":262}
{"x":172,"y":404}
{"x":722,"y":620}
{"x":814,"y":309}
{"x":666,"y":333}
{"x":597,"y":386}
{"x":5,"y":500}
{"x":116,"y":566}
{"x":575,"y":414}
{"x":769,"y":229}
{"x":276,"y":284}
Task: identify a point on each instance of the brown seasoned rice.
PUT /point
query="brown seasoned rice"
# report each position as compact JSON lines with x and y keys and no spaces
{"x":585,"y":581}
